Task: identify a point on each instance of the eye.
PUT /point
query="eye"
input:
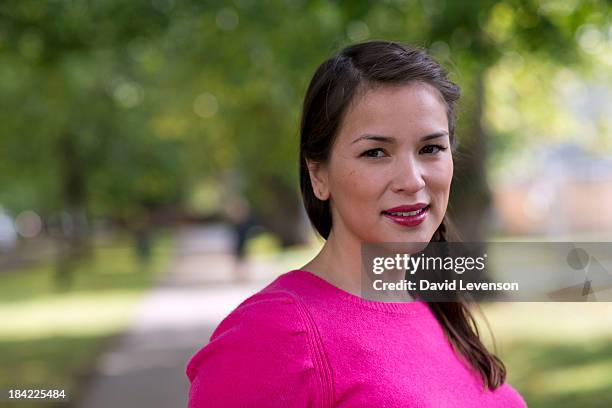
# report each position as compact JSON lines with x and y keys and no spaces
{"x":433,"y":149}
{"x":373,"y":153}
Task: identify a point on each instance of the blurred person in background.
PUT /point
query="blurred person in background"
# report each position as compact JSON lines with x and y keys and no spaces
{"x":377,"y":137}
{"x":239,"y":214}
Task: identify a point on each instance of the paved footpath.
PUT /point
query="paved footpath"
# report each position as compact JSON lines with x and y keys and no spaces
{"x":145,"y":366}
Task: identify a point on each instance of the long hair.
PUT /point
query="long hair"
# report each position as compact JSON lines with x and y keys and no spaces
{"x":332,"y":89}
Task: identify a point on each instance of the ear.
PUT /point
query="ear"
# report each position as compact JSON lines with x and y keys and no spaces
{"x":319,"y":179}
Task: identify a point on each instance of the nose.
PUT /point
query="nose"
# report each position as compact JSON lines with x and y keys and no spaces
{"x":408,"y":176}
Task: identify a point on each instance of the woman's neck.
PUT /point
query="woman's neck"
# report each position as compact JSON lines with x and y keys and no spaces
{"x":339,"y":263}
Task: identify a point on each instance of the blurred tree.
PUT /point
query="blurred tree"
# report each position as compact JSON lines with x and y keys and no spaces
{"x":78,"y":137}
{"x":120,"y":107}
{"x":475,"y":35}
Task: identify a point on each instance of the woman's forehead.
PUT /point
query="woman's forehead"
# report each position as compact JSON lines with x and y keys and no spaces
{"x":413,"y":110}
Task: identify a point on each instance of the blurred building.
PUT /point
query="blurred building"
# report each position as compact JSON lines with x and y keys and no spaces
{"x":569,"y":192}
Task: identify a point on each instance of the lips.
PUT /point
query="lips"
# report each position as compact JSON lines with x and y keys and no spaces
{"x":407,"y":215}
{"x":406,"y":208}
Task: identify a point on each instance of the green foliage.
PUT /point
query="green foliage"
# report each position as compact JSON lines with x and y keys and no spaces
{"x":145,"y":99}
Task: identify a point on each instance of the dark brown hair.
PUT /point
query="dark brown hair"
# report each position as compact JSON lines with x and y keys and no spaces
{"x":333,"y":88}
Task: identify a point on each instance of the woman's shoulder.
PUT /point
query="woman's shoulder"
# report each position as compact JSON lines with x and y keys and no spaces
{"x":274,"y":308}
{"x":262,"y":318}
{"x":261,"y":350}
{"x":288,"y":292}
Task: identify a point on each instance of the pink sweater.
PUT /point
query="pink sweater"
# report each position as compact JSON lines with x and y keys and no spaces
{"x":302,"y":342}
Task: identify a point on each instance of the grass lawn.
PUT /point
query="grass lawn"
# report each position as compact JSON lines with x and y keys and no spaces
{"x":557,"y":354}
{"x":50,"y":337}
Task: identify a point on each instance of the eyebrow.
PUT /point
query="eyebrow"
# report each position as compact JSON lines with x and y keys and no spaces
{"x":391,"y":139}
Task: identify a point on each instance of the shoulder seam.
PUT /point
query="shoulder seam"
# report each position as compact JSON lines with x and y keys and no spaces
{"x":320,"y":359}
{"x":316,"y":350}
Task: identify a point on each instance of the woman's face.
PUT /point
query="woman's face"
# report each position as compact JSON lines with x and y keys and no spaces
{"x":392,"y":156}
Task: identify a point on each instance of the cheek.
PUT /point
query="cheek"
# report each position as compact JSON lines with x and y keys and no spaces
{"x":440,"y":176}
{"x":352,"y":180}
{"x":352,"y":189}
{"x":355,"y":190}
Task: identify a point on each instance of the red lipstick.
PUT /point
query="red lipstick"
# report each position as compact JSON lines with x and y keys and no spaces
{"x":408,"y":215}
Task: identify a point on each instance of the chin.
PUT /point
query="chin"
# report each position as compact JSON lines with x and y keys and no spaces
{"x":410,"y":237}
{"x":423,"y":233}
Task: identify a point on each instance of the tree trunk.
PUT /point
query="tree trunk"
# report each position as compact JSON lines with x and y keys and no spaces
{"x":470,"y":196}
{"x":75,"y":235}
{"x":282,"y":215}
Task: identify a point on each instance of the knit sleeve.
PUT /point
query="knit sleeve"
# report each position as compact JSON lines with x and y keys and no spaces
{"x":259,"y":356}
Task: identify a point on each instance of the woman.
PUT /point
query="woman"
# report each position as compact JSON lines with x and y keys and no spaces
{"x":377,"y":136}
